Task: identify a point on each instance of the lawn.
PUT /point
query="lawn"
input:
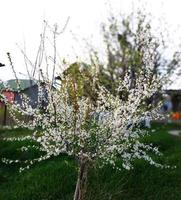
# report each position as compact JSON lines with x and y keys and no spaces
{"x":55,"y":179}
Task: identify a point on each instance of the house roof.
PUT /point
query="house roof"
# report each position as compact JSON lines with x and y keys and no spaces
{"x":15,"y":87}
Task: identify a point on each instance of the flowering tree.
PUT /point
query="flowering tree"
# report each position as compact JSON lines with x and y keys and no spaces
{"x":93,"y":131}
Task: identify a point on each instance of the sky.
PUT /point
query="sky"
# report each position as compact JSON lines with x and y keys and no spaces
{"x":21,"y":24}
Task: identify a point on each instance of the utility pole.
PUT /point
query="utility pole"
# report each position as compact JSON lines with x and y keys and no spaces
{"x":5,"y":114}
{"x":5,"y":106}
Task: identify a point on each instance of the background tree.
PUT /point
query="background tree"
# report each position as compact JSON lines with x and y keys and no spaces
{"x":126,"y":48}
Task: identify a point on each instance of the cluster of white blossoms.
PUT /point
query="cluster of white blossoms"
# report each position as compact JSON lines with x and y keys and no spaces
{"x":105,"y":130}
{"x":102,"y":129}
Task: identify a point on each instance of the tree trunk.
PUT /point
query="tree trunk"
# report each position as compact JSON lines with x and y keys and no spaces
{"x":81,"y":185}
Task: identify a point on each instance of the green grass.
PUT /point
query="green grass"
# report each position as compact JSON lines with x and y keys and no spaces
{"x":55,"y":179}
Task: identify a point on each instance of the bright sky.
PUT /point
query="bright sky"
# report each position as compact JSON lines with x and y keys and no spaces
{"x":21,"y":21}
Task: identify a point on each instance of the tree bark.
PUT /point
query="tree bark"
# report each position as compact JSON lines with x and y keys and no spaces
{"x":81,"y":184}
